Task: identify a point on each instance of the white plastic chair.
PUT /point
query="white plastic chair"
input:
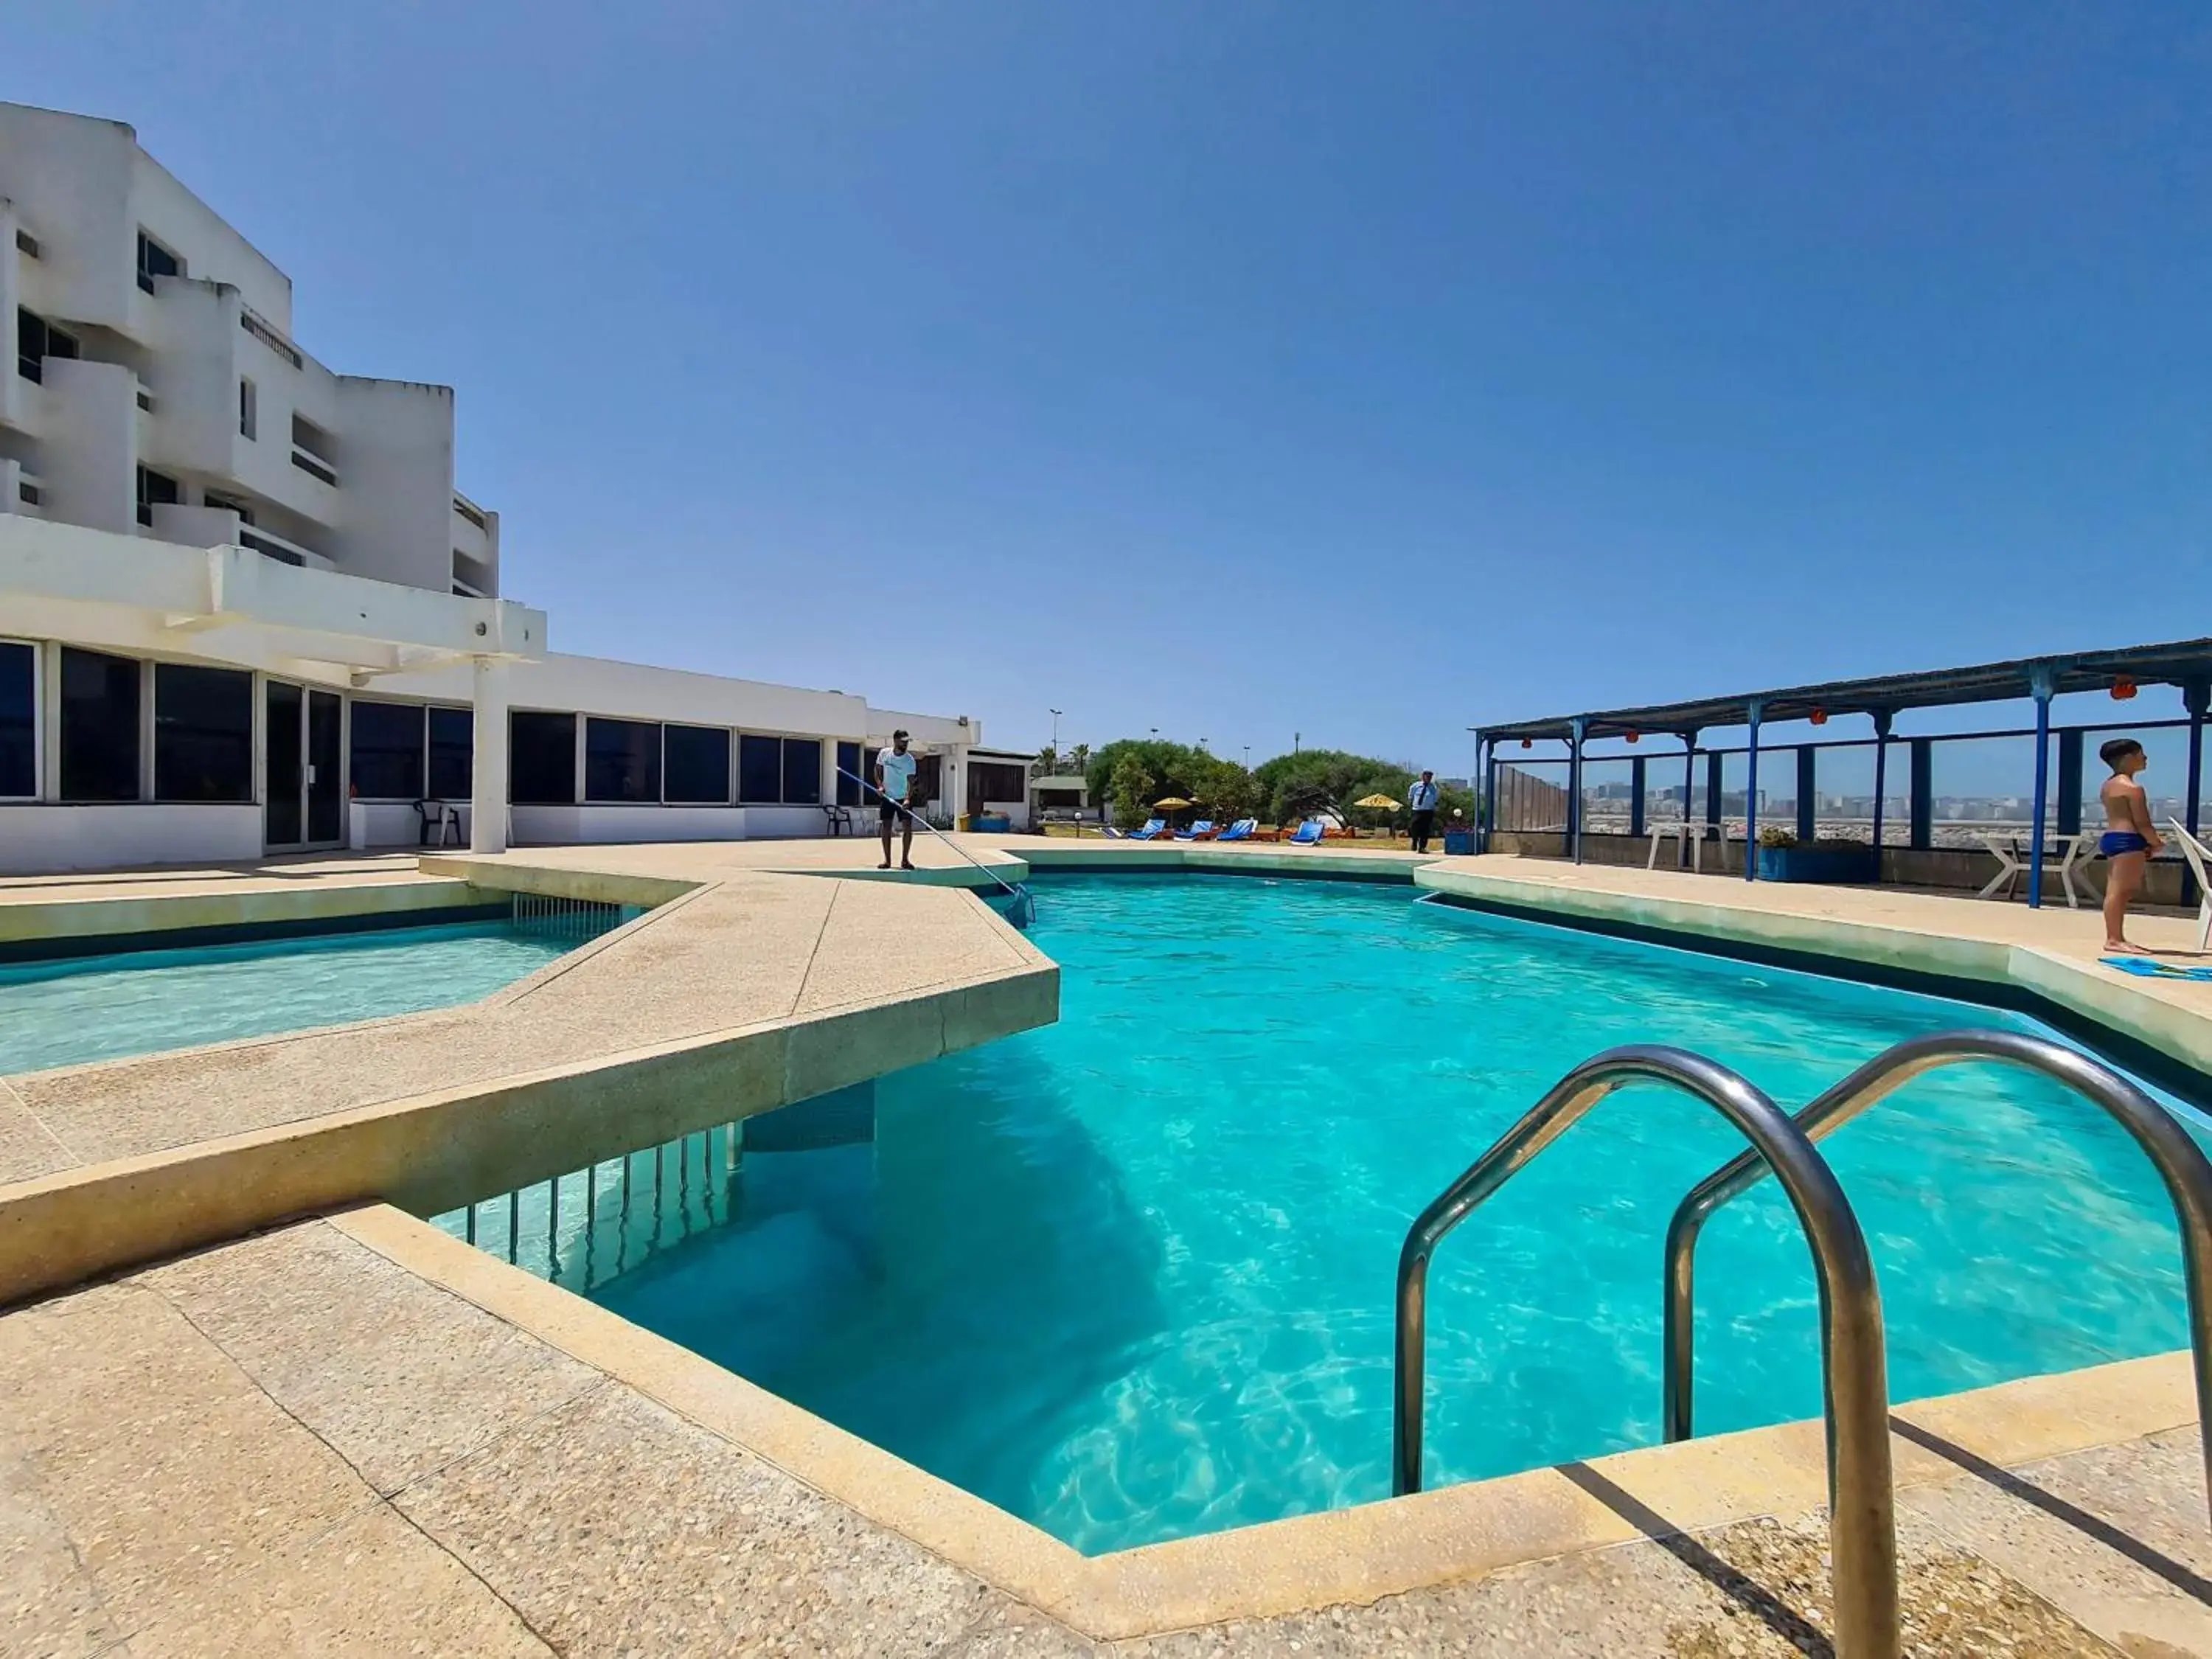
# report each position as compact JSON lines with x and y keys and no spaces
{"x":2197,"y":853}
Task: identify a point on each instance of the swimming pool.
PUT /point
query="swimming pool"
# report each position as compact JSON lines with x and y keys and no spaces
{"x":83,"y":1009}
{"x":1130,"y":1276}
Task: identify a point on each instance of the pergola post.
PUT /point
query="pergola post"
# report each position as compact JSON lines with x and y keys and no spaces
{"x":1580,"y":726}
{"x":1689,"y":792}
{"x":1882,"y":720}
{"x":1808,"y":792}
{"x":2196,"y":697}
{"x":1636,"y":775}
{"x":2039,"y":682}
{"x":488,"y":763}
{"x":1486,"y":808}
{"x":1757,"y":710}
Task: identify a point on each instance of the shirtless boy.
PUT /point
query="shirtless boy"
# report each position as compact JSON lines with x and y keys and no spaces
{"x":2130,"y":839}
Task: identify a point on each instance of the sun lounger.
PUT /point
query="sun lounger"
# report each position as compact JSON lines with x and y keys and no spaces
{"x":1310,"y":833}
{"x":1202,"y":830}
{"x":1240,"y":830}
{"x":1154,"y":828}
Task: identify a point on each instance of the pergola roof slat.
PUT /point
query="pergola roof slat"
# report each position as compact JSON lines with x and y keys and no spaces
{"x":2177,"y":664}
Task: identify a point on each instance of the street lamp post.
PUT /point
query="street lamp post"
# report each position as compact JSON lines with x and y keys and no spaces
{"x":1055,"y":714}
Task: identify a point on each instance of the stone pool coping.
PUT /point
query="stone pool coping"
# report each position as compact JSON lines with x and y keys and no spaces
{"x":736,"y":994}
{"x":1351,"y":1555}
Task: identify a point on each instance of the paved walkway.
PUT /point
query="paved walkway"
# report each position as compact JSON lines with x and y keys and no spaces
{"x":292,"y":1445}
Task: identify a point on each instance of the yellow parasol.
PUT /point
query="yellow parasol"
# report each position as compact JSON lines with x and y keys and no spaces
{"x":1172,"y":804}
{"x":1380,"y":803}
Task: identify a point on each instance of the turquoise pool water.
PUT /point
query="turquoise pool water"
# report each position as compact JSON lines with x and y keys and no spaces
{"x":1130,"y":1277}
{"x":89,"y":1008}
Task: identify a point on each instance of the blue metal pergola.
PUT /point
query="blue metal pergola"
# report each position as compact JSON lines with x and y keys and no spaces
{"x":2185,"y":664}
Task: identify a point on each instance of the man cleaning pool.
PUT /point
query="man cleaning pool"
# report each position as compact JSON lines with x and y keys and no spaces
{"x":2130,"y":840}
{"x":895,"y":769}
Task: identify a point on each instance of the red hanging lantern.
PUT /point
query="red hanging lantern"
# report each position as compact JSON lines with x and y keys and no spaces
{"x":2122,"y":688}
{"x":1819,"y":717}
{"x":1633,"y":736}
{"x":1527,"y":742}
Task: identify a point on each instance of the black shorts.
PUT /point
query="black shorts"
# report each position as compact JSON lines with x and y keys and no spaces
{"x":892,"y":812}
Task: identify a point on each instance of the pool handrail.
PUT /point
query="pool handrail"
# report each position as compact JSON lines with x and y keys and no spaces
{"x":1863,"y":1528}
{"x":2180,"y":1163}
{"x":1019,"y":895}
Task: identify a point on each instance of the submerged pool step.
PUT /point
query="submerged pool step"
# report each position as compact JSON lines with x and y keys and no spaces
{"x":593,"y":1224}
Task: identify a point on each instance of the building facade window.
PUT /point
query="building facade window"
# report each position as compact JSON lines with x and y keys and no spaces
{"x":154,"y":260}
{"x":759,"y":771}
{"x":541,"y":759}
{"x":203,"y":733}
{"x":622,"y":762}
{"x":99,"y":730}
{"x":36,"y":340}
{"x":249,"y":410}
{"x":779,"y":771}
{"x":453,"y":753}
{"x":802,"y":771}
{"x":155,"y":490}
{"x":697,"y":771}
{"x":851,"y":774}
{"x":387,"y":751}
{"x":19,"y":720}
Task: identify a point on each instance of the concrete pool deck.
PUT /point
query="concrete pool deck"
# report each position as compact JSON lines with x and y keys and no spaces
{"x":354,"y":1433}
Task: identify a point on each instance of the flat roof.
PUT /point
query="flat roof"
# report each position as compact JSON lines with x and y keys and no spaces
{"x":2180,"y":663}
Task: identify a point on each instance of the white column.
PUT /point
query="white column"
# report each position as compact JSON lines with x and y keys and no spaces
{"x":488,"y":772}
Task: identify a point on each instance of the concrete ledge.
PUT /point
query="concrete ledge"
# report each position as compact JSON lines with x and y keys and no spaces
{"x":436,"y":1151}
{"x":1358,"y":1555}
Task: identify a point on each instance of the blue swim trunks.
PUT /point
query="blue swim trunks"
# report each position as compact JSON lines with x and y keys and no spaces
{"x":2113,"y":843}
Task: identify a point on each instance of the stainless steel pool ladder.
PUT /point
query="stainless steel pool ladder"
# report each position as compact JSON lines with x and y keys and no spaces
{"x":1862,"y":1523}
{"x":2181,"y":1165}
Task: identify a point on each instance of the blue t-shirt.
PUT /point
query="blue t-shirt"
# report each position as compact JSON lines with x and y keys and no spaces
{"x":898,"y":773}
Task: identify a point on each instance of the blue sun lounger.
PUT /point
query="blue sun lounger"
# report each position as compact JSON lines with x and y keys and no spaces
{"x":1154,"y":828}
{"x":1202,"y":830}
{"x":1240,"y":830}
{"x":1310,"y":833}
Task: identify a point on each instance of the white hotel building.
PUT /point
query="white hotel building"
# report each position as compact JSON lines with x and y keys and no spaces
{"x":244,"y":608}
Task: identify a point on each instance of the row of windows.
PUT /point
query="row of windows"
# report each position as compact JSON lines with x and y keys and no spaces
{"x":645,"y":763}
{"x":202,"y":728}
{"x":203,"y":745}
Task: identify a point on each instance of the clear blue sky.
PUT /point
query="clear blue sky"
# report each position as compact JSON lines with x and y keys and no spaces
{"x":1237,"y":369}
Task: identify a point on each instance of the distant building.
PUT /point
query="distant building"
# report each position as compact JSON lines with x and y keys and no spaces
{"x":243,"y":610}
{"x":157,"y":389}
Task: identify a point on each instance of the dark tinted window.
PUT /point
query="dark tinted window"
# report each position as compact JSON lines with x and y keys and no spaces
{"x":155,"y":489}
{"x":622,"y":761}
{"x":541,"y":762}
{"x":387,"y":751}
{"x":452,"y":752}
{"x":203,"y":733}
{"x":698,"y":764}
{"x":36,"y":340}
{"x":802,"y":771}
{"x":760,"y":770}
{"x":19,"y":726}
{"x":852,"y":772}
{"x":100,"y":727}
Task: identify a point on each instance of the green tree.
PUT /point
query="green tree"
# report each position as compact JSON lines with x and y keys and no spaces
{"x":1130,"y":787}
{"x":1296,"y":786}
